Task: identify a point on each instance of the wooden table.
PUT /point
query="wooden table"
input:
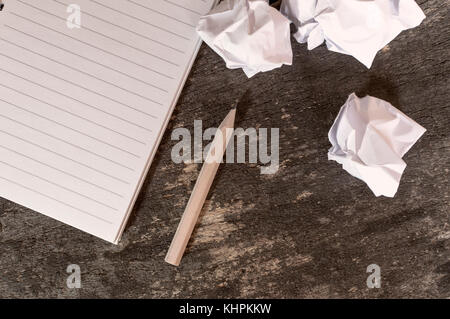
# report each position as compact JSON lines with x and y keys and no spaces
{"x":310,"y":230}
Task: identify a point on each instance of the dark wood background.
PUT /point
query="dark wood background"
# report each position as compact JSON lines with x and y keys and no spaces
{"x":310,"y":230}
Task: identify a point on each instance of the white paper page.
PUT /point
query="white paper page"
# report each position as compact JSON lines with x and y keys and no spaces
{"x":82,"y":110}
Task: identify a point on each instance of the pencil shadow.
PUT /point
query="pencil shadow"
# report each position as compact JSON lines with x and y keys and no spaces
{"x":242,"y":106}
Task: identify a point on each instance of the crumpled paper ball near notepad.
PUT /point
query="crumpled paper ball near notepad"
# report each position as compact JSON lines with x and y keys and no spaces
{"x":251,"y":35}
{"x":248,"y":34}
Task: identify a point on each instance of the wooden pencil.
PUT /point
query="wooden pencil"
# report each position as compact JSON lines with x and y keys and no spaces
{"x":201,"y":189}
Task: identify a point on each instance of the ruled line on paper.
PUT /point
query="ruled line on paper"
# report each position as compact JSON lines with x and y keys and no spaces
{"x":141,"y":20}
{"x":61,"y":171}
{"x":104,"y":35}
{"x":182,"y":7}
{"x":66,"y":142}
{"x":128,"y":30}
{"x":73,"y":114}
{"x":93,"y":46}
{"x":56,"y":200}
{"x":59,"y":186}
{"x":78,"y":85}
{"x":79,"y":101}
{"x":70,"y":128}
{"x":78,"y":70}
{"x":67,"y":158}
{"x":160,"y":13}
{"x":88,"y":59}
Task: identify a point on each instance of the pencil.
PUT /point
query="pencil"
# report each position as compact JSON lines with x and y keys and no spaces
{"x":201,"y":189}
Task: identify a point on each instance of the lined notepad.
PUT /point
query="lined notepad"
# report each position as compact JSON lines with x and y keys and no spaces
{"x":82,"y":110}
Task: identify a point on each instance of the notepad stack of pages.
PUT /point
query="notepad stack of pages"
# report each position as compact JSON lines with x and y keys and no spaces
{"x":82,"y":110}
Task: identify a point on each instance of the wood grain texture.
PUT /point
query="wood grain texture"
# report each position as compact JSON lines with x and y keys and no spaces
{"x":310,"y":230}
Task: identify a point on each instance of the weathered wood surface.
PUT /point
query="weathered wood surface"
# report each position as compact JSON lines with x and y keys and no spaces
{"x":310,"y":230}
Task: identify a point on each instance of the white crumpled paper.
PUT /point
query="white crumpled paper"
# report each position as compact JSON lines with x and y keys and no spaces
{"x":248,"y":34}
{"x":356,"y":27}
{"x":369,"y":138}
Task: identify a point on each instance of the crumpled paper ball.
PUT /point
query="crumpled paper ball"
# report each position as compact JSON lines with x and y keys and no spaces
{"x":248,"y":34}
{"x":356,"y":27}
{"x":369,"y":138}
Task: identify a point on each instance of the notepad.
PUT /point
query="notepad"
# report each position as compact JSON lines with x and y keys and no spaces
{"x":82,"y":110}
